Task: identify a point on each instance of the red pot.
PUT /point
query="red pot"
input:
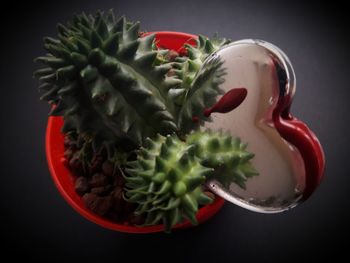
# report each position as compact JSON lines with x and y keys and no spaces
{"x":65,"y":181}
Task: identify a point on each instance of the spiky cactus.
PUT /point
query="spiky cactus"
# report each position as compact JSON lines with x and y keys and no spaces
{"x":113,"y":89}
{"x":166,"y":181}
{"x":106,"y":81}
{"x":166,"y":178}
{"x":226,"y":154}
{"x":111,"y":84}
{"x":200,"y":85}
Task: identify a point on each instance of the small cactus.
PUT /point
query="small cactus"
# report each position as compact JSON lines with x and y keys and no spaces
{"x":166,"y":182}
{"x":200,"y":84}
{"x":166,"y":179}
{"x":226,"y":154}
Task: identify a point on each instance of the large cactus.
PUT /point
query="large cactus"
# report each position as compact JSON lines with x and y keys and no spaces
{"x":109,"y":83}
{"x":105,"y":80}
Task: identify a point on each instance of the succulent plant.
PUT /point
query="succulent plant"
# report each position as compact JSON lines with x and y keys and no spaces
{"x":113,"y":85}
{"x":166,"y":179}
{"x":106,"y":81}
{"x":200,"y":84}
{"x":166,"y":182}
{"x":113,"y":88}
{"x":226,"y":154}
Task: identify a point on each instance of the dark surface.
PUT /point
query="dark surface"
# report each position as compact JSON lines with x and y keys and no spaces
{"x":39,"y":224}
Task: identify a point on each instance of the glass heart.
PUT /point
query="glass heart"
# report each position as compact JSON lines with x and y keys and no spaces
{"x":257,"y":92}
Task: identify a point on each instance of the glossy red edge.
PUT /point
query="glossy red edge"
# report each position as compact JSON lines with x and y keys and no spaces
{"x":64,"y":180}
{"x":298,"y":133}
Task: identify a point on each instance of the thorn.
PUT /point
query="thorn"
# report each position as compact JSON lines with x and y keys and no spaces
{"x":102,"y":29}
{"x":159,"y":178}
{"x":169,"y":141}
{"x":179,"y":189}
{"x":202,"y":40}
{"x":164,"y":188}
{"x":173,"y":175}
{"x":191,"y":150}
{"x":96,"y":57}
{"x":190,"y":203}
{"x":149,"y":144}
{"x":213,"y":144}
{"x":95,"y":40}
{"x":111,"y":45}
{"x":164,"y":151}
{"x":160,"y":165}
{"x":133,"y":31}
{"x":147,"y":59}
{"x":184,"y":160}
{"x":129,"y":50}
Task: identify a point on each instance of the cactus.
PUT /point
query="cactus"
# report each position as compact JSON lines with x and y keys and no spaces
{"x":113,"y":85}
{"x":200,"y":84}
{"x":224,"y":153}
{"x":166,"y":182}
{"x":114,"y":92}
{"x":106,"y":81}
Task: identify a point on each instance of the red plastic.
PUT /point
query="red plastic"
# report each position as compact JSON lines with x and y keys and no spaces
{"x":297,"y":133}
{"x":65,"y":181}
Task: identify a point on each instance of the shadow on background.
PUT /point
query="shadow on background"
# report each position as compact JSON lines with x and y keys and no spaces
{"x":38,"y":223}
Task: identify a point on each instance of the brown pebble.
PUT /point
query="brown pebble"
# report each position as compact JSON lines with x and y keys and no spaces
{"x":102,"y":190}
{"x":98,"y":180}
{"x":120,"y":181}
{"x":108,"y":168}
{"x":68,"y":154}
{"x":81,"y":185}
{"x":103,"y":204}
{"x":98,"y":190}
{"x":66,"y":141}
{"x":99,"y":205}
{"x":118,"y":193}
{"x":96,"y":164}
{"x":76,"y":164}
{"x":88,"y":199}
{"x":210,"y":194}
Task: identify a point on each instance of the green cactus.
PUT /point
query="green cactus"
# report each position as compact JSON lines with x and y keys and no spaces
{"x":114,"y":90}
{"x":200,"y":84}
{"x":226,"y":154}
{"x":106,"y":81}
{"x":113,"y":85}
{"x":166,"y":182}
{"x":166,"y":179}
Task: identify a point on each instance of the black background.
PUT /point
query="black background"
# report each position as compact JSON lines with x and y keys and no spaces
{"x":38,"y":224}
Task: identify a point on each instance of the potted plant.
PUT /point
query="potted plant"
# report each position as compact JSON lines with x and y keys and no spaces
{"x":125,"y":105}
{"x":125,"y":140}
